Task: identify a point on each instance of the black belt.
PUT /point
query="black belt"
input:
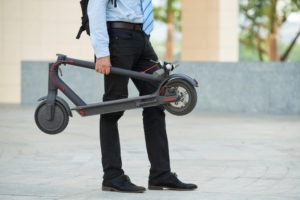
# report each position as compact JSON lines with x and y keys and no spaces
{"x":125,"y":25}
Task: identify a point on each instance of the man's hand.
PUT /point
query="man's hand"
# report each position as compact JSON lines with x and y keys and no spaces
{"x":103,"y":65}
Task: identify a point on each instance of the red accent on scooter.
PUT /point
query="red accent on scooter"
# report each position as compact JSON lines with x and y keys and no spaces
{"x":81,"y":112}
{"x":153,"y":66}
{"x":51,"y":72}
{"x":162,"y":89}
{"x":170,"y":99}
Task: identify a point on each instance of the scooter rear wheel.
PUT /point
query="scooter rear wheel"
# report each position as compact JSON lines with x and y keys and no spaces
{"x":187,"y":97}
{"x":57,"y":124}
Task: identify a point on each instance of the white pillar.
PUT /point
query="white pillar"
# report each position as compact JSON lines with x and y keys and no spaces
{"x":210,"y":30}
{"x":228,"y":30}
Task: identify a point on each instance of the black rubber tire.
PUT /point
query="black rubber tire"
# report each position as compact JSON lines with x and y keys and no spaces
{"x":55,"y":126}
{"x":191,"y":101}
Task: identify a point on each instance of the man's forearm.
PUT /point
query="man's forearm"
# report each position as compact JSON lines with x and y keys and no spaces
{"x":98,"y":28}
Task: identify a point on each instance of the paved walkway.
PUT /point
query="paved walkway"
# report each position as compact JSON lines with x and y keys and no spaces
{"x":232,"y":157}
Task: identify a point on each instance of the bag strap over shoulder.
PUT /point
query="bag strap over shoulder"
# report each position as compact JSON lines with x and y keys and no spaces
{"x":85,"y":18}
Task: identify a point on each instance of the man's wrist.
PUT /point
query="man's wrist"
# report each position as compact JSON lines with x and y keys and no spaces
{"x":104,"y":57}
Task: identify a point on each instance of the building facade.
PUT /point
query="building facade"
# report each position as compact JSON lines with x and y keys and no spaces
{"x":35,"y":30}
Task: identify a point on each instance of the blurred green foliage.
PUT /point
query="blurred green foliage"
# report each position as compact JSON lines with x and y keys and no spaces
{"x":162,"y":10}
{"x":260,"y":22}
{"x":250,"y":54}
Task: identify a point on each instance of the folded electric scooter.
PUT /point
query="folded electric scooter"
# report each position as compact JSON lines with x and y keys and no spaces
{"x":176,"y":92}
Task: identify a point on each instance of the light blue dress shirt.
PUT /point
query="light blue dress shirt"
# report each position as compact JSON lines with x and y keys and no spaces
{"x":101,"y":11}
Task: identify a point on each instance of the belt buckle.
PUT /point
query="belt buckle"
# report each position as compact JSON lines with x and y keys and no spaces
{"x":137,"y":27}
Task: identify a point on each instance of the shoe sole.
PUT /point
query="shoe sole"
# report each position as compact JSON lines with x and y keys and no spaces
{"x":111,"y":189}
{"x":150,"y":187}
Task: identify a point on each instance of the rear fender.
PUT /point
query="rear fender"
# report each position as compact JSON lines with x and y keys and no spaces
{"x":188,"y":79}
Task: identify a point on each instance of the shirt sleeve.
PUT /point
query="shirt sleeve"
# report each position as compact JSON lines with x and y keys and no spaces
{"x":98,"y":27}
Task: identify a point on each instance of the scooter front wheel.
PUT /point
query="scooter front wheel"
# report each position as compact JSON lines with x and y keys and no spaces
{"x":51,"y":126}
{"x":187,"y":97}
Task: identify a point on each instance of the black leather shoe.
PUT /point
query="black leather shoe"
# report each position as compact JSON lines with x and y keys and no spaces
{"x":121,"y":184}
{"x":170,"y":182}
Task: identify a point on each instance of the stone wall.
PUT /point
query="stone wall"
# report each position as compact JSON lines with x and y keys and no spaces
{"x":270,"y":88}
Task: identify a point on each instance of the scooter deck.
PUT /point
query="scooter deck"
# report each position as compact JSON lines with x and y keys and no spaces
{"x":124,"y":104}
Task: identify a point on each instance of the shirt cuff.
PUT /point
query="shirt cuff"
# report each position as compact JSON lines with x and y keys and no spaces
{"x":101,"y":52}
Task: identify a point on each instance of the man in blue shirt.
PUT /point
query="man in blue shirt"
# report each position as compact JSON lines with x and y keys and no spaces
{"x":120,"y":37}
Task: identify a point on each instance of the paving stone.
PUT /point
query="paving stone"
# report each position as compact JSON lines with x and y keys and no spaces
{"x":229,"y":156}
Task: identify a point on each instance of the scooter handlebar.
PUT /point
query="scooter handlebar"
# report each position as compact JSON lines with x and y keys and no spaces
{"x":134,"y":74}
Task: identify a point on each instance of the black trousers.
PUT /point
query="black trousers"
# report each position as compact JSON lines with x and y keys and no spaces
{"x":132,"y":50}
